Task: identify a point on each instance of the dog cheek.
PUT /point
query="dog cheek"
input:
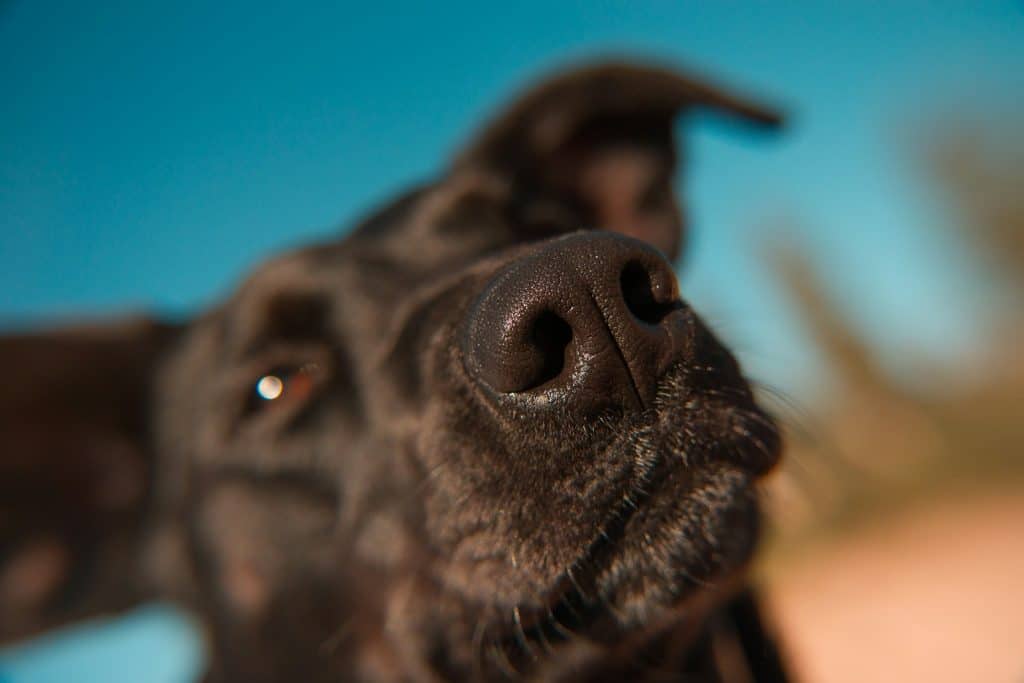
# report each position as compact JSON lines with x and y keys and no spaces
{"x":466,"y":517}
{"x":509,"y":536}
{"x":255,"y":538}
{"x":510,"y":521}
{"x":241,"y":571}
{"x":33,"y":575}
{"x":384,"y":541}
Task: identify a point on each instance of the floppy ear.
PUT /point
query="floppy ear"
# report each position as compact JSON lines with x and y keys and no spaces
{"x":75,"y":470}
{"x":594,"y":147}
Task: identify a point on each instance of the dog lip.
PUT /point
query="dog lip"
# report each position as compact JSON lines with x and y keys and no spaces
{"x":566,"y":605}
{"x":755,"y":443}
{"x":572,"y":606}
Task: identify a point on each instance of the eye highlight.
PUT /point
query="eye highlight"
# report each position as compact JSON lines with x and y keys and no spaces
{"x":285,"y":386}
{"x":269,"y":387}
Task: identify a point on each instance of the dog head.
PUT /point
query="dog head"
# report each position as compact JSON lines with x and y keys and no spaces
{"x":482,"y":428}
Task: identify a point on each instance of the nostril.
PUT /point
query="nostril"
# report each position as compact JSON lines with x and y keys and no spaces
{"x":648,"y":301}
{"x":550,"y":336}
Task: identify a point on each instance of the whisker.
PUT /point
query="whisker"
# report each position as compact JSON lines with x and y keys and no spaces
{"x":521,"y":634}
{"x":501,"y":660}
{"x":577,"y":587}
{"x":478,"y":647}
{"x":556,"y":625}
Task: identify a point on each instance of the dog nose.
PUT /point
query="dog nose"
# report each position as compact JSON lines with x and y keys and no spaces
{"x":591,"y":319}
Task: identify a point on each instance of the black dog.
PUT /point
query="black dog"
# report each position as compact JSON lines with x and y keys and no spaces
{"x":470,"y":441}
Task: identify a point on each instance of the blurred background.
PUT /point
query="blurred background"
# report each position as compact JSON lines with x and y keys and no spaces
{"x":867,"y":265}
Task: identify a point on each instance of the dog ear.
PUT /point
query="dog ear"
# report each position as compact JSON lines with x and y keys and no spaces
{"x":75,"y":469}
{"x":594,"y":147}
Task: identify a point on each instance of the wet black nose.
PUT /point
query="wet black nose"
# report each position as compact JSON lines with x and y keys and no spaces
{"x":590,"y":319}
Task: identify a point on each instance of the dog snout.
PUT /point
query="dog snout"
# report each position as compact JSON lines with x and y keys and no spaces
{"x":590,"y":320}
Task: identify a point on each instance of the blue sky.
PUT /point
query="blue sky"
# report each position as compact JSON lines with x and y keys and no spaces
{"x":151,"y":153}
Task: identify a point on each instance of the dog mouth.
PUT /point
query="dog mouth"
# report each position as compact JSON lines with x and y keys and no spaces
{"x":688,"y":519}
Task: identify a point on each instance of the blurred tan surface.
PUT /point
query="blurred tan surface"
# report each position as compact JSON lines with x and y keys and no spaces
{"x":935,"y":594}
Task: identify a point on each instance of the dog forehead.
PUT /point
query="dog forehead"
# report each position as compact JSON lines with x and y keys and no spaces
{"x":342,"y":290}
{"x":303,"y":268}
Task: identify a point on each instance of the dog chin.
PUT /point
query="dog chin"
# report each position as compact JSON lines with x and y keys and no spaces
{"x":682,"y":542}
{"x":689,"y":533}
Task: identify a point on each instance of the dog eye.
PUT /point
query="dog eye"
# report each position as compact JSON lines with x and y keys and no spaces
{"x":285,"y":386}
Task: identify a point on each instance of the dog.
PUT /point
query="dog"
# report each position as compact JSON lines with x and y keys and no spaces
{"x":480,"y":438}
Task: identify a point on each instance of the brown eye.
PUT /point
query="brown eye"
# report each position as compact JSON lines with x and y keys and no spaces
{"x":286,"y":385}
